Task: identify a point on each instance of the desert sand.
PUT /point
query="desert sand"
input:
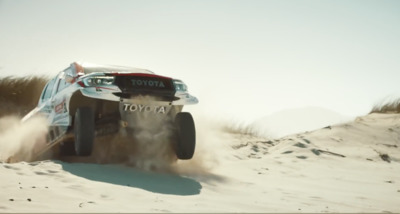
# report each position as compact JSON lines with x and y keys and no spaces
{"x":350,"y":167}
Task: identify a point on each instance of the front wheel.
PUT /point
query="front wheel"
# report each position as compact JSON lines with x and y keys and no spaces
{"x":84,"y":131}
{"x":185,"y":136}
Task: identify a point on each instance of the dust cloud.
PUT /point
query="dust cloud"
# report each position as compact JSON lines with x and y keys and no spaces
{"x":19,"y":141}
{"x":149,"y":147}
{"x":148,"y":144}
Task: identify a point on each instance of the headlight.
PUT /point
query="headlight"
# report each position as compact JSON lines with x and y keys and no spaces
{"x":98,"y":81}
{"x":180,"y":86}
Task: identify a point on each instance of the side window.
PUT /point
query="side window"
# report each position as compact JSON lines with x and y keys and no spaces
{"x":48,"y":91}
{"x":62,"y":83}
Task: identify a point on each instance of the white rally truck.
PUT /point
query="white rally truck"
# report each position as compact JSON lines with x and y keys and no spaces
{"x":85,"y":101}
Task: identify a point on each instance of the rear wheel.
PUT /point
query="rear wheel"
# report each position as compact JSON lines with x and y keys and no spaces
{"x":185,"y":136}
{"x":84,"y":131}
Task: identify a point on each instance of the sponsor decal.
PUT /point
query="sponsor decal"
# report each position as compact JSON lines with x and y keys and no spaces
{"x":60,"y":108}
{"x":148,"y":83}
{"x":144,"y":108}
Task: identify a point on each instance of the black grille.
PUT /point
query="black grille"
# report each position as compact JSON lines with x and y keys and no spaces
{"x":132,"y":86}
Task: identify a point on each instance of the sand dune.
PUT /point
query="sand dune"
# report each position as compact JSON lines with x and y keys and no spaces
{"x":352,"y":167}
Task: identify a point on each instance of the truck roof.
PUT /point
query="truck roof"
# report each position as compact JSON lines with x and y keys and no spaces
{"x":88,"y":68}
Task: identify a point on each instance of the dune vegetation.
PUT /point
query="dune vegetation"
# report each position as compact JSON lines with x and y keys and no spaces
{"x":392,"y":106}
{"x":19,"y":95}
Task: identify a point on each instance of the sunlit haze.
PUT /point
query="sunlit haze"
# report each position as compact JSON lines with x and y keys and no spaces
{"x":243,"y":59}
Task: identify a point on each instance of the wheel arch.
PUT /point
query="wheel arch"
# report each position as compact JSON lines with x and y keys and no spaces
{"x":100,"y":107}
{"x":79,"y":100}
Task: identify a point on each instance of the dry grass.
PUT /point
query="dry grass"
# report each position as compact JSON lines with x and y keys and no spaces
{"x":19,"y":95}
{"x":392,"y":106}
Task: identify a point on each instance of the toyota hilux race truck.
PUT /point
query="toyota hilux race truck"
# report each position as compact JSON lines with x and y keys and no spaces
{"x":85,"y":101}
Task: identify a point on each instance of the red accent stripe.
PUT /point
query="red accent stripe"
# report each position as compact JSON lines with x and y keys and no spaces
{"x":140,"y":75}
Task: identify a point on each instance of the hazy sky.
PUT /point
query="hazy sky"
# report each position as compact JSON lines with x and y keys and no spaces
{"x":241,"y":58}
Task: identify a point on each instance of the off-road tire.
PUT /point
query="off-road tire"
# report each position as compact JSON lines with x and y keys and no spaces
{"x":185,"y":136}
{"x":84,"y":131}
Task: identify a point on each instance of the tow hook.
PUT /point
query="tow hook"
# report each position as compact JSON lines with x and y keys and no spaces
{"x":124,"y":124}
